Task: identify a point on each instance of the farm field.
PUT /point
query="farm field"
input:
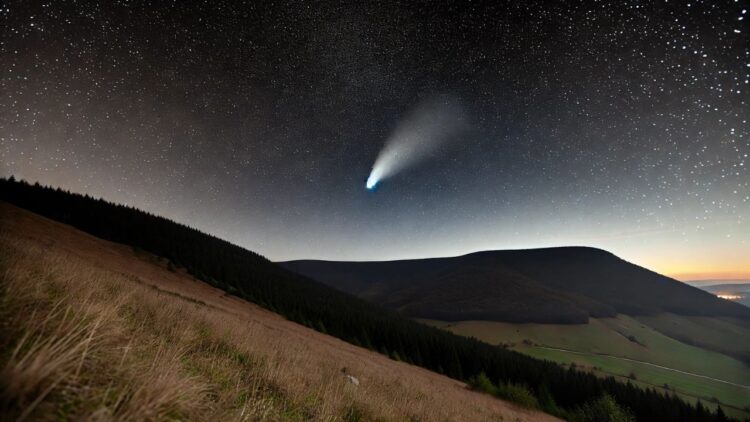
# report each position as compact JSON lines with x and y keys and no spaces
{"x":603,"y":346}
{"x":730,"y":336}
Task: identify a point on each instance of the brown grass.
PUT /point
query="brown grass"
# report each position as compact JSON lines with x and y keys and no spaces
{"x":92,"y":330}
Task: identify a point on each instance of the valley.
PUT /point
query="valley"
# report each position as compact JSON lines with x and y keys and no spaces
{"x":631,"y":350}
{"x":575,"y":306}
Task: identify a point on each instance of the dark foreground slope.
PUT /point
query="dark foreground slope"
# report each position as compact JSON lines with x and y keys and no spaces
{"x":303,"y":300}
{"x":552,"y":285}
{"x":140,"y":341}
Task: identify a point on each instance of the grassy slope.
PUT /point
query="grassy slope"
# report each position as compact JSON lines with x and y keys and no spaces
{"x":92,"y":329}
{"x":726,"y":335}
{"x":610,"y":336}
{"x":734,"y":399}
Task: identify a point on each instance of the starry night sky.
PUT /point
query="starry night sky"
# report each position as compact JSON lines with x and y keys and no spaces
{"x":621,"y":125}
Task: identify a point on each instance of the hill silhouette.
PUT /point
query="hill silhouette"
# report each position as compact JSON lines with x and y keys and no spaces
{"x":551,"y":285}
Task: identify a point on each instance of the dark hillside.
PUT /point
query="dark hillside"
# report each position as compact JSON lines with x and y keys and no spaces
{"x":553,"y":285}
{"x":602,"y":276}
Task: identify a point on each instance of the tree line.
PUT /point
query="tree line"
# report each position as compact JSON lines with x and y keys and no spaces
{"x":252,"y":277}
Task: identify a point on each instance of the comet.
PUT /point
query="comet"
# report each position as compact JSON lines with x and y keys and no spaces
{"x":430,"y":125}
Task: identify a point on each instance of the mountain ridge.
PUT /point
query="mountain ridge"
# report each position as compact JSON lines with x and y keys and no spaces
{"x":576,"y":282}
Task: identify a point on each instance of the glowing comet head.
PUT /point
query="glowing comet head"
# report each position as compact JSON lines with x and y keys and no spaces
{"x":371,"y":182}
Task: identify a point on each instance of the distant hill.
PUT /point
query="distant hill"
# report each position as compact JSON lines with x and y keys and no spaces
{"x":727,"y":287}
{"x":551,"y":285}
{"x":712,"y":282}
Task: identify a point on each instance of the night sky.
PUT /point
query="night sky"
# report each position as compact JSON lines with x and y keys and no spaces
{"x":620,"y":125}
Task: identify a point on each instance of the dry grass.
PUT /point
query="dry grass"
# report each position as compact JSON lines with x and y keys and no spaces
{"x":91,"y":330}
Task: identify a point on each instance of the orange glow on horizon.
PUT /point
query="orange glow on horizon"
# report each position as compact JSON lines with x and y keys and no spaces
{"x":693,"y":266}
{"x":707,"y":275}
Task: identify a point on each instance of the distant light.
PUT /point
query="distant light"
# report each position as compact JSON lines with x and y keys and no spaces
{"x":730,"y":296}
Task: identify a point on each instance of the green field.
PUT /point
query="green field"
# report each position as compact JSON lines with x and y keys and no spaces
{"x":726,"y":335}
{"x":601,"y":345}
